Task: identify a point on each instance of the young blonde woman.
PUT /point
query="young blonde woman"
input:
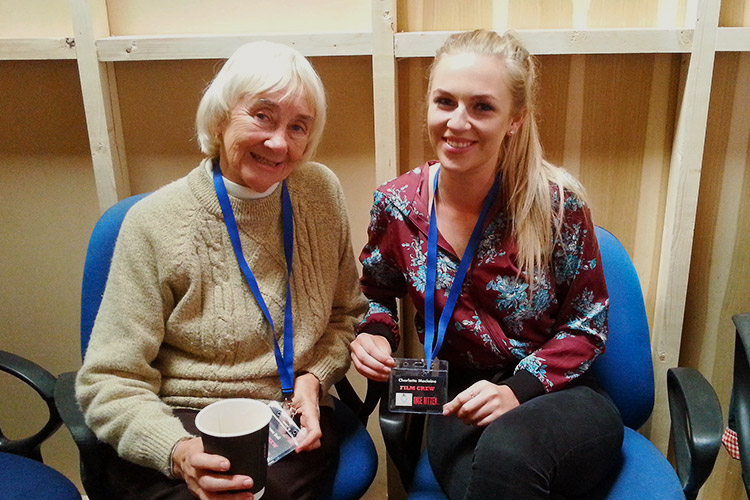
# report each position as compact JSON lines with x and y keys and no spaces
{"x":528,"y":315}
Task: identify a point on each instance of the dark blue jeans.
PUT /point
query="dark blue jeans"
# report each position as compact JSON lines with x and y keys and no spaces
{"x":558,"y":445}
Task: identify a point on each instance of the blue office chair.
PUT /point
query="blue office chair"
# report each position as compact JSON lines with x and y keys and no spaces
{"x":626,"y":372}
{"x":24,"y":475}
{"x":356,"y":469}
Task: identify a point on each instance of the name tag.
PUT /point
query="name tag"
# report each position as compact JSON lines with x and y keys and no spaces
{"x":413,"y":388}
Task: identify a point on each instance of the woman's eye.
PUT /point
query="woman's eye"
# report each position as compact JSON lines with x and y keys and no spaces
{"x":483,"y":106}
{"x":443,"y":101}
{"x":299,"y":128}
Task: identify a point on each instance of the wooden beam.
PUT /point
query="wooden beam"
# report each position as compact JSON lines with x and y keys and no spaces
{"x":30,"y":49}
{"x":100,"y":102}
{"x":566,"y":41}
{"x":384,"y":85}
{"x":680,"y":212}
{"x":170,"y":47}
{"x":733,"y":40}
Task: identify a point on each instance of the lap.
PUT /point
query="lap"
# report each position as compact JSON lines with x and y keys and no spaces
{"x":566,"y":439}
{"x":295,"y":477}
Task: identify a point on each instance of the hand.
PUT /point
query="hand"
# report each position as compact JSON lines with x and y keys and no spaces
{"x":305,"y":400}
{"x":372,"y":356}
{"x":481,"y":403}
{"x":205,"y":474}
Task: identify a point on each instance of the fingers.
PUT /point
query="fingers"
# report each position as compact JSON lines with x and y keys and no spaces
{"x":463,"y":398}
{"x":371,"y":356}
{"x":205,"y":476}
{"x":481,"y":403}
{"x":309,"y":414}
{"x":224,"y":484}
{"x":309,"y":438}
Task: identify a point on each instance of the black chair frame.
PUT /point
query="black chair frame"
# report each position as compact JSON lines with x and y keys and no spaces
{"x":43,"y":382}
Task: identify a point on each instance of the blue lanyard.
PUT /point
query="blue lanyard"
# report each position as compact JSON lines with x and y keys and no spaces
{"x":285,"y":361}
{"x":430,"y":335}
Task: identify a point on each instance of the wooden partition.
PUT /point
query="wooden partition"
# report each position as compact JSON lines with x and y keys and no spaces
{"x":644,"y":100}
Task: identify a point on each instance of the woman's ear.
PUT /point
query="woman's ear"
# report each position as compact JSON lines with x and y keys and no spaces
{"x":516,"y":122}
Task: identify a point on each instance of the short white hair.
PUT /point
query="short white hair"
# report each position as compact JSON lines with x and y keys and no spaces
{"x":259,"y":68}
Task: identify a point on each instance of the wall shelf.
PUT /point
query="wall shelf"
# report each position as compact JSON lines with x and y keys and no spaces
{"x":31,"y":49}
{"x":566,"y":41}
{"x":173,"y":47}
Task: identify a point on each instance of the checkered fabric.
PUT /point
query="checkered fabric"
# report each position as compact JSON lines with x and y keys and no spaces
{"x":729,"y":439}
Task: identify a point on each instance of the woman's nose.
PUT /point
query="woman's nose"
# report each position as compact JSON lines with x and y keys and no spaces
{"x":458,"y":119}
{"x":277,"y":141}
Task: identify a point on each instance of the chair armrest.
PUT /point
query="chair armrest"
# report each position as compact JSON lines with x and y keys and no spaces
{"x":71,"y":413}
{"x":740,"y":405}
{"x":402,"y":434}
{"x":94,"y":454}
{"x":349,"y":396}
{"x":696,"y":426}
{"x":43,"y":382}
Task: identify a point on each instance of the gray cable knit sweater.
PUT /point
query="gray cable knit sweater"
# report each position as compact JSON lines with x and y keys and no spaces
{"x":178,"y":325}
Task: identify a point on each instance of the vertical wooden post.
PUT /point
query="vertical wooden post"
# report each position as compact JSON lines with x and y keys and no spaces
{"x":680,"y":212}
{"x":100,"y":102}
{"x":384,"y":86}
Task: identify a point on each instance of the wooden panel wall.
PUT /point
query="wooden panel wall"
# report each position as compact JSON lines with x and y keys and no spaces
{"x":627,"y":120}
{"x":720,"y":267}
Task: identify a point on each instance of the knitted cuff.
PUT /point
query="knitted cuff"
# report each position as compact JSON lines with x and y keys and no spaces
{"x":524,"y":385}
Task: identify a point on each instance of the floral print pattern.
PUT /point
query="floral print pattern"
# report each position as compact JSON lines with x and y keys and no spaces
{"x":553,"y":330}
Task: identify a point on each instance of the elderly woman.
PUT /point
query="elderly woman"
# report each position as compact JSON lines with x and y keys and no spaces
{"x":207,"y":286}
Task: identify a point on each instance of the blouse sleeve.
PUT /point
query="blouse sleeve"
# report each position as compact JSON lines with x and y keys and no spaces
{"x":382,"y":281}
{"x":580,"y":331}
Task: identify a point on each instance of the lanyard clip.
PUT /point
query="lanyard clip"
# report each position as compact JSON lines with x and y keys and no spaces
{"x":288,"y":405}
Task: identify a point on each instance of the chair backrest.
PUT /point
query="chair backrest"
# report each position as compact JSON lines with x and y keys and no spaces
{"x":626,"y":368}
{"x":98,"y":258}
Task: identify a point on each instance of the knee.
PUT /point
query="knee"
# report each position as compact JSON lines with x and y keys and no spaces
{"x":511,"y":450}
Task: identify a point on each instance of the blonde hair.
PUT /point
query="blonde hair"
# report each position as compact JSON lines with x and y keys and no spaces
{"x":526,"y":175}
{"x":258,"y":68}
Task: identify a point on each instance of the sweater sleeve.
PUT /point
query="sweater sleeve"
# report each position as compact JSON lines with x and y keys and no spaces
{"x":117,"y":387}
{"x":580,"y":330}
{"x":331,"y":358}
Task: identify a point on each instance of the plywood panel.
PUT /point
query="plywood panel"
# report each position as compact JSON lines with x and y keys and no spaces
{"x":49,"y":205}
{"x":720,"y":266}
{"x":35,"y":18}
{"x":429,"y":15}
{"x":553,"y":107}
{"x":535,"y":14}
{"x":735,"y":13}
{"x":145,"y":17}
{"x":437,"y":15}
{"x":413,"y":80}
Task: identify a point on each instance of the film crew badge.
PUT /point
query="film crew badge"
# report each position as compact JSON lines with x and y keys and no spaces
{"x":415,"y":389}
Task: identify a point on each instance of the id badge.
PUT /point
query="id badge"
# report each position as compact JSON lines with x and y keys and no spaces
{"x":412,"y":388}
{"x":282,"y":433}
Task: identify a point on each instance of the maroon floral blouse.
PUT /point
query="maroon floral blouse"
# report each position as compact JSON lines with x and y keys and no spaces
{"x":546,"y":338}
